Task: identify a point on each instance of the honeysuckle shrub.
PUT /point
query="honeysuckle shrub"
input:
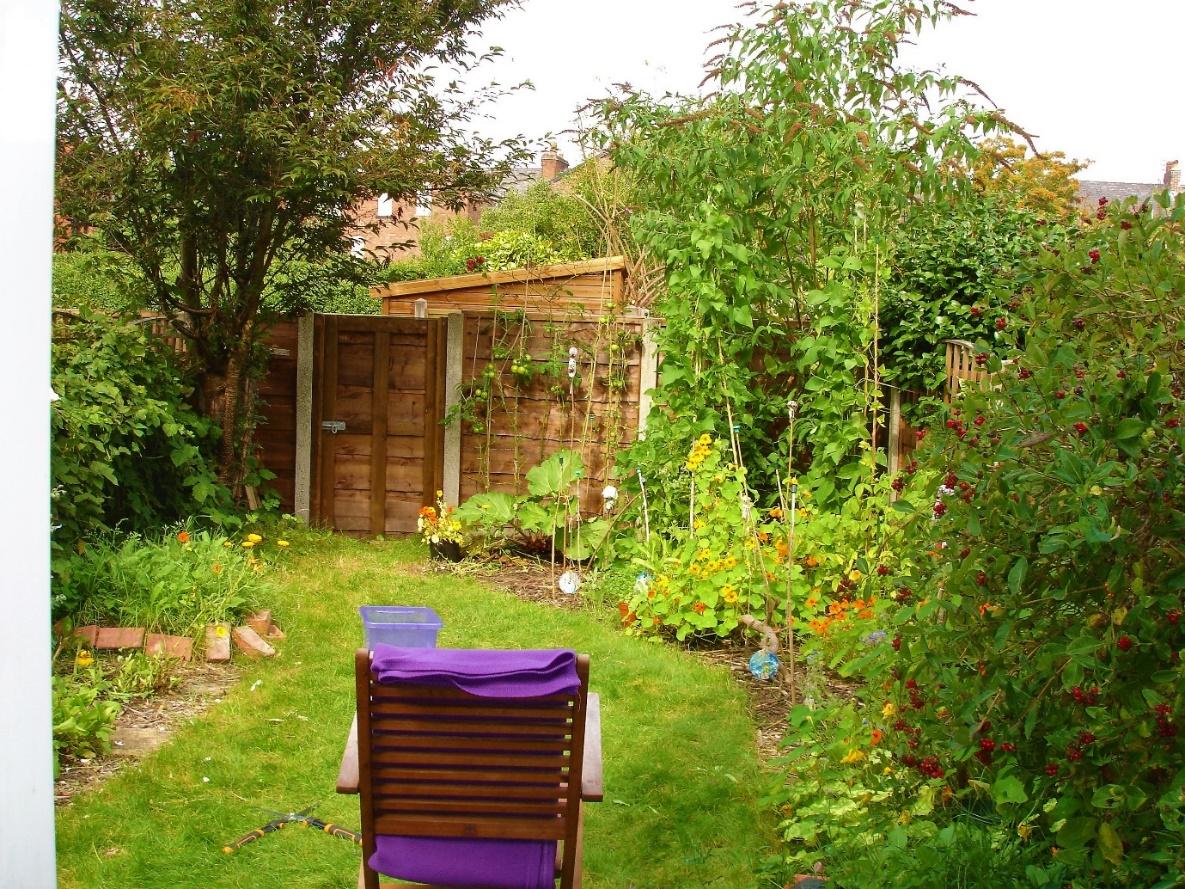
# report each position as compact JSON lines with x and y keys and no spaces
{"x":1030,"y":685}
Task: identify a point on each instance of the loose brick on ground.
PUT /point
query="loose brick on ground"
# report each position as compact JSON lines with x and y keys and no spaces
{"x":260,"y":621}
{"x":218,"y":643}
{"x":88,"y":633}
{"x":180,"y":647}
{"x":250,"y":643}
{"x":119,"y":637}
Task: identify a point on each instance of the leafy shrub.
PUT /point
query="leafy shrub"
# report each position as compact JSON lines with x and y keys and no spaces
{"x":89,"y":276}
{"x":82,"y":719}
{"x":127,"y":450}
{"x":340,"y":284}
{"x":1034,"y":679}
{"x":539,"y":226}
{"x":962,"y":266}
{"x":543,"y":521}
{"x":171,"y":585}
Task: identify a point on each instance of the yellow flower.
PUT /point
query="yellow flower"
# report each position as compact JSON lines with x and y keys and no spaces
{"x":888,"y":770}
{"x":281,"y":543}
{"x":247,"y":544}
{"x":730,"y":562}
{"x":854,"y":756}
{"x":705,"y":439}
{"x":227,"y":544}
{"x":855,"y":576}
{"x":220,"y":630}
{"x":889,"y":710}
{"x":216,"y":567}
{"x":254,"y":538}
{"x":699,"y":524}
{"x":729,"y":593}
{"x":1023,"y":830}
{"x":84,"y":658}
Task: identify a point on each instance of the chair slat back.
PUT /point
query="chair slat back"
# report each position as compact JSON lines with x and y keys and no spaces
{"x":440,"y":762}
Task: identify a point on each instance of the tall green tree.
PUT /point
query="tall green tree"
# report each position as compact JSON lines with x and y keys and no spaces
{"x":214,"y":141}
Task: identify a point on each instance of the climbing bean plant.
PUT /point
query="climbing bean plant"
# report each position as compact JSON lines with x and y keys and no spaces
{"x":775,"y":203}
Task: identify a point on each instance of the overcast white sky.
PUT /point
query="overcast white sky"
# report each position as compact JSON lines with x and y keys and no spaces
{"x":1098,"y":79}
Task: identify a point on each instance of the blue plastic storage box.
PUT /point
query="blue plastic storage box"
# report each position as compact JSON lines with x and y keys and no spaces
{"x":403,"y":625}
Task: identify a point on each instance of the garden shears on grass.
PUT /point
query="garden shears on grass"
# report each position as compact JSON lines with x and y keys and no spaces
{"x":303,"y":818}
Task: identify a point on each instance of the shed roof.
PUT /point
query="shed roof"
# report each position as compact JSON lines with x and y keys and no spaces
{"x":400,"y":289}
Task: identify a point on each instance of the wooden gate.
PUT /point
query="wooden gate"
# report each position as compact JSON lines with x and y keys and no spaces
{"x":378,"y":399}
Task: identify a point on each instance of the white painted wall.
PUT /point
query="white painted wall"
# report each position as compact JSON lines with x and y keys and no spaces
{"x":28,"y":67}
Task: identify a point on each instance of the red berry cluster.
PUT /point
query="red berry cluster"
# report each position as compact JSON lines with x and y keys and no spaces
{"x":1095,"y":256}
{"x":1086,"y":698}
{"x":1164,"y":721}
{"x":1101,"y":212}
{"x":1024,"y":373}
{"x":981,"y":359}
{"x":1125,"y":643}
{"x":939,"y":509}
{"x":474,"y":263}
{"x":903,"y":594}
{"x":915,"y":694}
{"x":882,"y":570}
{"x":984,"y":754}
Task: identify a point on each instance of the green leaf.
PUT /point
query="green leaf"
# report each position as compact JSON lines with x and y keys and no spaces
{"x":1129,"y":429}
{"x":1016,"y":576}
{"x":1076,"y":833}
{"x":555,"y":475}
{"x":1008,"y":789}
{"x":1110,"y":843}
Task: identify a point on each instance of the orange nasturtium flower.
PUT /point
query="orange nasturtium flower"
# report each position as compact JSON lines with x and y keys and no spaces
{"x":183,"y":536}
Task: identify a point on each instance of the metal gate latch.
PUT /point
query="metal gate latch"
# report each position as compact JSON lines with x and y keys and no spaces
{"x":334,"y":426}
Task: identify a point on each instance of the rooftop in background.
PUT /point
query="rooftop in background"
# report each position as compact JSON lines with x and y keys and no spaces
{"x":1090,"y":191}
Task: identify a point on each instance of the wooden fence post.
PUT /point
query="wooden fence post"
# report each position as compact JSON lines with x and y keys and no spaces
{"x":304,"y":416}
{"x":648,"y":374}
{"x":453,"y":357}
{"x":894,"y":435}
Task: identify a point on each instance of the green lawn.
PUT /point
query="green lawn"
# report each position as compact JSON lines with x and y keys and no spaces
{"x":681,"y":776}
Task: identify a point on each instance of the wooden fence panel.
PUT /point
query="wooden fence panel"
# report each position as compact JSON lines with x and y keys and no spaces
{"x":524,"y":422}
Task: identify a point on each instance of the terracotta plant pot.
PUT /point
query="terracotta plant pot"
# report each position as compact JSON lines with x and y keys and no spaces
{"x":446,"y":551}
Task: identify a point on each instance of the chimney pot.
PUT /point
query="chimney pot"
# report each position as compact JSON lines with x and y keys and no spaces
{"x":1172,"y":176}
{"x":551,"y":164}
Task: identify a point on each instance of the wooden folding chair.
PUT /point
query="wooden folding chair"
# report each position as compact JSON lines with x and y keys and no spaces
{"x":438,"y":762}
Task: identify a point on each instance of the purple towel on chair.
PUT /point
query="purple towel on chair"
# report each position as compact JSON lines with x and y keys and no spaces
{"x":465,"y":863}
{"x":486,"y":674}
